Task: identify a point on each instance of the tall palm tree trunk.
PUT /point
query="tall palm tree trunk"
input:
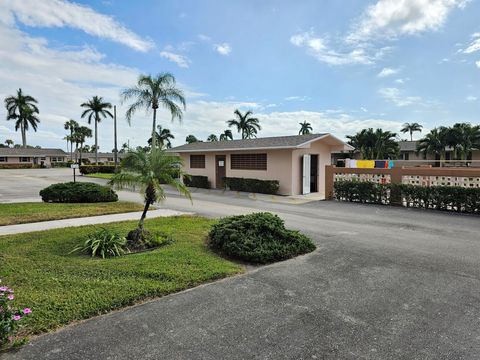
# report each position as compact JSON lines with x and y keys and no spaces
{"x":96,"y":139}
{"x":411,"y":135}
{"x":149,"y":199}
{"x":24,"y":135}
{"x":71,"y":144}
{"x":154,"y":126}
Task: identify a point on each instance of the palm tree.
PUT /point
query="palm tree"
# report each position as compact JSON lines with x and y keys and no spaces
{"x":245,"y":124}
{"x":71,"y":125}
{"x":376,"y":144}
{"x":191,"y":139}
{"x":411,"y":128}
{"x":163,"y":137}
{"x":212,"y":137}
{"x":96,"y":108}
{"x":148,"y":171}
{"x":434,"y":143}
{"x":124,"y":148}
{"x":9,"y":142}
{"x":305,"y":128}
{"x":463,"y":138}
{"x":226,"y":135}
{"x":80,"y":136}
{"x":23,"y":109}
{"x":153,"y":92}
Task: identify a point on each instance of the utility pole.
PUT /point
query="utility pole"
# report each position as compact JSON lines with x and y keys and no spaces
{"x":115,"y":149}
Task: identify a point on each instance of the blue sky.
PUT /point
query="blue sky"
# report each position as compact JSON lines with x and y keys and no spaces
{"x":341,"y":65}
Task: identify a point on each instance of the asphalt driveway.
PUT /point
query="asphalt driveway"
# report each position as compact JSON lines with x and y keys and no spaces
{"x":384,"y":283}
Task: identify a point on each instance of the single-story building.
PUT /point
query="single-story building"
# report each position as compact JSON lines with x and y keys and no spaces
{"x":103,"y":157}
{"x":31,"y":156}
{"x":297,"y":162}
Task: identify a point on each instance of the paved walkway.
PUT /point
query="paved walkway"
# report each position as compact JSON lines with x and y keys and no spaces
{"x":101,"y":219}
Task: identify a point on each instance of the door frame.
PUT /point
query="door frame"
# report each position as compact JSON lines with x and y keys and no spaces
{"x":219,"y":183}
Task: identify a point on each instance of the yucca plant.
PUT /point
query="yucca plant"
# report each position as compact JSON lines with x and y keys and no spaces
{"x":103,"y":243}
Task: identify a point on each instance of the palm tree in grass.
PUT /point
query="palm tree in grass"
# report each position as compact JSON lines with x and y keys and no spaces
{"x":411,"y":128}
{"x":434,"y":143}
{"x":80,"y":136}
{"x":163,"y":137}
{"x":212,"y":137}
{"x":246,"y":125}
{"x":153,"y":92}
{"x":9,"y":142}
{"x":23,"y":109}
{"x":70,"y":125}
{"x":226,"y":135}
{"x":95,"y":109}
{"x":305,"y":128}
{"x":147,"y":171}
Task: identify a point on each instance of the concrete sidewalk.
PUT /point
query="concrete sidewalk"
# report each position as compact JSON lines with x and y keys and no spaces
{"x":92,"y":220}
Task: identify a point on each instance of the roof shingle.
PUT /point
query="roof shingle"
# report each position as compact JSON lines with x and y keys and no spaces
{"x":31,"y":152}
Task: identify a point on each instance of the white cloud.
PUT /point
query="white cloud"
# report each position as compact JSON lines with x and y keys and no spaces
{"x":319,"y":48}
{"x":474,"y":45}
{"x":61,"y":13}
{"x":296,"y":98}
{"x":178,"y":59}
{"x":400,"y":81}
{"x":223,"y":49}
{"x":478,"y":64}
{"x":396,"y":97}
{"x":471,"y":98}
{"x":393,"y":18}
{"x":387,"y":72}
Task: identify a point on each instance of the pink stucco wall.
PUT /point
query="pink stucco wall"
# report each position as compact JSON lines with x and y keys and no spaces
{"x":284,"y":165}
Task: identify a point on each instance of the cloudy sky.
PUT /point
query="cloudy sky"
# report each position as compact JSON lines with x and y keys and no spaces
{"x":340,"y":65}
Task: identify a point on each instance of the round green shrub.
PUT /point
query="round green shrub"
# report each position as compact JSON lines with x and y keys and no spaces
{"x":78,"y":192}
{"x":258,"y":238}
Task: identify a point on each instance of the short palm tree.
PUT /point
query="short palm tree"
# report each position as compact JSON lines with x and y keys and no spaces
{"x":191,"y":139}
{"x":95,"y":109}
{"x":434,"y":143}
{"x":411,"y":128}
{"x":212,"y":137}
{"x":375,"y":144}
{"x":226,"y":135}
{"x":463,"y":138}
{"x":305,"y":128}
{"x":22,"y":108}
{"x":71,"y":125}
{"x":246,"y":125}
{"x":9,"y":142}
{"x":148,"y":171}
{"x":163,"y":137}
{"x":80,"y":136}
{"x":153,"y":92}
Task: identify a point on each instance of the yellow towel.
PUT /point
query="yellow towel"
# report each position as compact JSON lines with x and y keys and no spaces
{"x":366,"y":164}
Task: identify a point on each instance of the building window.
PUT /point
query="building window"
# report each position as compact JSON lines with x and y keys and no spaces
{"x":110,"y":159}
{"x":3,"y":159}
{"x":24,"y":159}
{"x":406,"y":156}
{"x":43,"y":158}
{"x":197,"y":161}
{"x":248,"y":161}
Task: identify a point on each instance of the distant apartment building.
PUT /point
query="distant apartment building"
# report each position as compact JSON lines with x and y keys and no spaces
{"x":103,"y":157}
{"x":10,"y":157}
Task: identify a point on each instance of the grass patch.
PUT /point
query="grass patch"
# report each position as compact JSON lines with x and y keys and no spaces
{"x":61,"y":288}
{"x":100,"y":175}
{"x":21,"y":213}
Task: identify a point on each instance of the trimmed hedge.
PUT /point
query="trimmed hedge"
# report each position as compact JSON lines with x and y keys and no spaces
{"x":16,"y":166}
{"x":258,"y":238}
{"x":61,"y":164}
{"x":78,"y":192}
{"x":197,"y":181}
{"x":92,"y":169}
{"x":447,"y":198}
{"x":252,"y":185}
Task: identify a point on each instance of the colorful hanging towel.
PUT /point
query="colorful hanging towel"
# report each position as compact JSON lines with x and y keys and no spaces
{"x":353,"y":163}
{"x":386,"y":163}
{"x":366,"y":164}
{"x":379,"y":164}
{"x":390,"y":164}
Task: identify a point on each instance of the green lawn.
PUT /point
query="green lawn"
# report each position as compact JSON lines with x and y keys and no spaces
{"x":100,"y":175}
{"x":61,"y":288}
{"x":20,"y":213}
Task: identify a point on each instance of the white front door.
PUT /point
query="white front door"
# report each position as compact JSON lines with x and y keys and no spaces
{"x":306,"y":174}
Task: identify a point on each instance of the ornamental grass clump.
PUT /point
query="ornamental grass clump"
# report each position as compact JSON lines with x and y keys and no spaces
{"x":10,"y":316}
